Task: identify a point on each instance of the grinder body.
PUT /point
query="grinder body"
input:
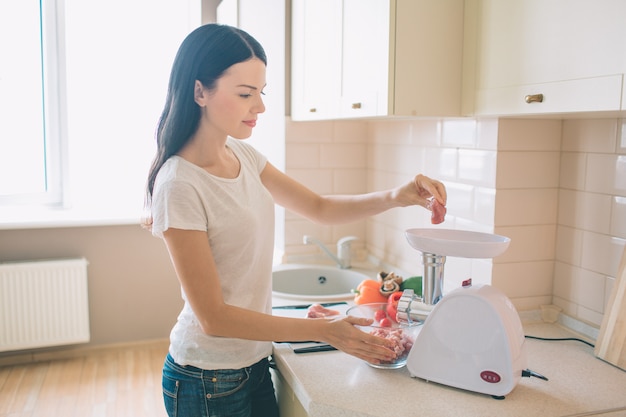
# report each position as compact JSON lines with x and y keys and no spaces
{"x":473,"y":340}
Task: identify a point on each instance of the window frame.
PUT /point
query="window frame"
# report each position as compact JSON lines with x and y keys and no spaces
{"x":54,"y":111}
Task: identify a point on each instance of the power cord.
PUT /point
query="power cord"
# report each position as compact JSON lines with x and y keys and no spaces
{"x":528,"y":373}
{"x":560,"y":339}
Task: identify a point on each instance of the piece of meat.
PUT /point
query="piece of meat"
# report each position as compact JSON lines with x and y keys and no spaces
{"x":401,"y":342}
{"x":316,"y":311}
{"x":438,"y":212}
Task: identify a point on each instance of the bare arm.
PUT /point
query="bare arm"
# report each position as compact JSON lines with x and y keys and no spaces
{"x":335,"y":209}
{"x":193,"y":261}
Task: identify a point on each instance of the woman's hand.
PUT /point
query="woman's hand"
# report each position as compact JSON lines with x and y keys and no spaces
{"x":419,"y":191}
{"x":342,"y":334}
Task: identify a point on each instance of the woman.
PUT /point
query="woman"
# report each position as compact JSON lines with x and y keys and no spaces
{"x":211,"y":198}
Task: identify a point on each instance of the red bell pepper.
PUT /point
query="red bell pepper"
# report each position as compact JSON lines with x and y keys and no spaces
{"x":392,"y":305}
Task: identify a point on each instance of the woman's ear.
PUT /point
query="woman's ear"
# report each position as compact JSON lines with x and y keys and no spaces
{"x":199,"y":95}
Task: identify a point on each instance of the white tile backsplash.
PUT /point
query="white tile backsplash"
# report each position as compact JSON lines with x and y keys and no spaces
{"x":302,"y":155}
{"x":606,"y":173}
{"x":487,"y":134}
{"x":524,"y":279}
{"x":569,"y":245}
{"x":523,"y":169}
{"x":620,"y":175}
{"x":586,"y":211}
{"x":522,"y":135}
{"x":477,"y":167}
{"x":349,"y":181}
{"x":343,"y":155}
{"x":459,"y":133}
{"x":460,"y":199}
{"x":425,"y":133}
{"x":350,"y":131}
{"x":529,"y":242}
{"x":484,"y":205}
{"x":589,"y":135}
{"x":556,"y":187}
{"x":319,"y":180}
{"x":441,"y":163}
{"x":573,"y":170}
{"x":309,"y":132}
{"x":406,"y":159}
{"x":601,"y":253}
{"x":618,"y":217}
{"x":526,"y":206}
{"x":391,"y":132}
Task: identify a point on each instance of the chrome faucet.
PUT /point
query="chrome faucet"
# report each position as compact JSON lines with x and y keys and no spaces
{"x":343,"y":259}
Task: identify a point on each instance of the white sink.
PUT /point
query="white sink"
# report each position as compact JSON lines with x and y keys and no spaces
{"x":316,"y":282}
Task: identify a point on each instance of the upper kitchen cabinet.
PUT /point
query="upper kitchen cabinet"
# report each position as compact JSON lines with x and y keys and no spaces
{"x":543,"y":57}
{"x":367,"y":58}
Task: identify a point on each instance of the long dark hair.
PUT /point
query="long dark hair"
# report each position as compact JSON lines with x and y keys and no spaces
{"x":205,"y":54}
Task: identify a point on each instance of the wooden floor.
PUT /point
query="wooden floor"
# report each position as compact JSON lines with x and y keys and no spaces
{"x":116,"y":382}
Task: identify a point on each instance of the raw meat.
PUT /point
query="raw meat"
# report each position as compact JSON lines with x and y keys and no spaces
{"x":316,"y":311}
{"x":438,"y":212}
{"x":402,"y":343}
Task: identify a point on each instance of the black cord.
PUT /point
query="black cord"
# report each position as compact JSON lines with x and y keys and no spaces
{"x":527,"y":373}
{"x":560,"y":339}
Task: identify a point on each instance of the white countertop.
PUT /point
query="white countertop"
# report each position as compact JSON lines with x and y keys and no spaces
{"x":331,"y":384}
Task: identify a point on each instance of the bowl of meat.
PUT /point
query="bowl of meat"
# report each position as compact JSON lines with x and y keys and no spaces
{"x":385,"y":325}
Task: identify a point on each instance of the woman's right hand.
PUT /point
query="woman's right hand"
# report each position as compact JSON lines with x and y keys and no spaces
{"x":342,"y":334}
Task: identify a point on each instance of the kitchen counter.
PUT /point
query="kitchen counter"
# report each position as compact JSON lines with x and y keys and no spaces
{"x":331,"y":384}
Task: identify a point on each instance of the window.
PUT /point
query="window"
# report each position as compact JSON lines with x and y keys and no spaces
{"x":29,"y":121}
{"x":82,"y":85}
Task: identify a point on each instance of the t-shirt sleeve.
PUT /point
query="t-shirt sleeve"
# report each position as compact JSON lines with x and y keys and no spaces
{"x":176,"y":204}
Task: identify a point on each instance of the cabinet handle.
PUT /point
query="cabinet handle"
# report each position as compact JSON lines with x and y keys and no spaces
{"x":534,"y":98}
{"x":313,"y":110}
{"x":356,"y":105}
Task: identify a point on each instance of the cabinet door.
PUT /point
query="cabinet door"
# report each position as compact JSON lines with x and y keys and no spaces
{"x":365,"y":58}
{"x":316,"y":57}
{"x":427,"y":71}
{"x":573,"y":52}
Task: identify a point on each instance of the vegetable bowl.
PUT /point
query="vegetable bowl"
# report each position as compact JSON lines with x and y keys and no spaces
{"x":402,"y":334}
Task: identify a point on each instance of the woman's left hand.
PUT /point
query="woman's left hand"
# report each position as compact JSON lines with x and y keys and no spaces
{"x":419,"y":191}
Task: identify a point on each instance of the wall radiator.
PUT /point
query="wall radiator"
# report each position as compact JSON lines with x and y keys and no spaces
{"x":43,"y":303}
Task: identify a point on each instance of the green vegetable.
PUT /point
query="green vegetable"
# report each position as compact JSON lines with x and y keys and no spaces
{"x":413,"y":283}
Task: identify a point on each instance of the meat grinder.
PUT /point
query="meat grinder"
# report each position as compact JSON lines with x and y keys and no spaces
{"x":472,"y":338}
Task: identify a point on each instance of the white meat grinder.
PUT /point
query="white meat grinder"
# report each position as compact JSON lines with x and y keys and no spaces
{"x":472,"y":338}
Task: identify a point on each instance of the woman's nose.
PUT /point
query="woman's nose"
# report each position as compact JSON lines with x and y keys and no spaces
{"x":260,"y":106}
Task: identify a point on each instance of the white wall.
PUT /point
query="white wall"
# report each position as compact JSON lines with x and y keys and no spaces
{"x":254,"y":16}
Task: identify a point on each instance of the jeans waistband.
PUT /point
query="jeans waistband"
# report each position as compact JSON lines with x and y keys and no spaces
{"x":199,"y":372}
{"x":185,"y":369}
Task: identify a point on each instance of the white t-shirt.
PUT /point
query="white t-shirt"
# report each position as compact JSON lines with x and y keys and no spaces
{"x":238,"y":216}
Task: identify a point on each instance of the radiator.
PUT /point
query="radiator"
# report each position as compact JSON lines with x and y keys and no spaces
{"x":43,"y":303}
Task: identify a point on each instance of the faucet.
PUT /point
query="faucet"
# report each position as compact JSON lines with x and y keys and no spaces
{"x":343,"y":258}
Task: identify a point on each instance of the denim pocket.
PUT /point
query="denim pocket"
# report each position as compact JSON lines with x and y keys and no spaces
{"x":170,"y":395}
{"x":223,"y":383}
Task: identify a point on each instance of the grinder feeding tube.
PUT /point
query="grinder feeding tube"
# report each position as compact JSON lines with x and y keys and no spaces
{"x":472,"y":338}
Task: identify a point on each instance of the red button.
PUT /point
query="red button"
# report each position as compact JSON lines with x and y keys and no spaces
{"x":490,"y":376}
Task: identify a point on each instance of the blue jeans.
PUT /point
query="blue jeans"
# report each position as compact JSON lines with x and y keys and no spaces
{"x":193,"y":392}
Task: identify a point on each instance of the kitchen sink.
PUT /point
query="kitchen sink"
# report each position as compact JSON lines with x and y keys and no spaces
{"x":316,"y":282}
